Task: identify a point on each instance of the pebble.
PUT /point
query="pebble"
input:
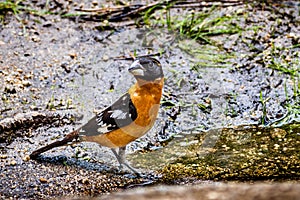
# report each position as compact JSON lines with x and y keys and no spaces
{"x":35,"y":38}
{"x":73,"y":55}
{"x":26,"y":158}
{"x":33,"y":107}
{"x":13,"y":163}
{"x":95,"y":3}
{"x":105,"y":58}
{"x":4,"y":156}
{"x":85,"y":181}
{"x":26,"y":83}
{"x":10,"y":89}
{"x":4,"y":97}
{"x":292,"y":35}
{"x":43,"y":180}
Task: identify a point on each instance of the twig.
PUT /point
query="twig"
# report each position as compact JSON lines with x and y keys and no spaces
{"x":137,"y":11}
{"x":122,"y":13}
{"x":110,"y":9}
{"x":132,"y":57}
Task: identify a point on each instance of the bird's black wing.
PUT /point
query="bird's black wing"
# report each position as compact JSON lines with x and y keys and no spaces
{"x":119,"y":114}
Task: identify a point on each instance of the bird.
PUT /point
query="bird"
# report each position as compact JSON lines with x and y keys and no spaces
{"x":127,"y":119}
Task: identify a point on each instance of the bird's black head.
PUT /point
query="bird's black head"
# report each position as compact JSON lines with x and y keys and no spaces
{"x":146,"y":68}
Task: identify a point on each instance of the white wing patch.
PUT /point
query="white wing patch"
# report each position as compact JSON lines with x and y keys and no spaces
{"x":118,"y":114}
{"x":103,"y":127}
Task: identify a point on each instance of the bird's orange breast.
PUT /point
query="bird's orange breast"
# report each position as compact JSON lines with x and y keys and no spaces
{"x":146,"y":98}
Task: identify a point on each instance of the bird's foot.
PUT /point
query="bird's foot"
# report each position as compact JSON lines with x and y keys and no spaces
{"x":138,"y":174}
{"x":122,"y":161}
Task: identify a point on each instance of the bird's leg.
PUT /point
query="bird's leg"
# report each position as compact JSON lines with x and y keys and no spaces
{"x":122,"y":151}
{"x":121,"y":159}
{"x":117,"y":156}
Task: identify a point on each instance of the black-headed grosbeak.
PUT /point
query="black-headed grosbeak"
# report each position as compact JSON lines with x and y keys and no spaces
{"x":129,"y":118}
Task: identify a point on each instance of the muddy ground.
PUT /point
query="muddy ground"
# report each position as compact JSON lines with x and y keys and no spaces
{"x":231,"y":104}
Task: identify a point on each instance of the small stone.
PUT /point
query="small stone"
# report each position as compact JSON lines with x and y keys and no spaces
{"x":85,"y":181}
{"x":4,"y":97}
{"x":33,"y":89}
{"x":31,"y":141}
{"x":66,"y":67}
{"x":292,"y":35}
{"x":106,"y":22}
{"x":95,"y":3}
{"x":3,"y":156}
{"x":10,"y":89}
{"x":26,"y":83}
{"x":35,"y":38}
{"x":28,"y":76}
{"x":288,"y":59}
{"x":73,"y":55}
{"x":33,"y":107}
{"x":26,"y":158}
{"x":13,"y":162}
{"x":81,"y":5}
{"x":43,"y":180}
{"x":47,"y":24}
{"x":105,"y":58}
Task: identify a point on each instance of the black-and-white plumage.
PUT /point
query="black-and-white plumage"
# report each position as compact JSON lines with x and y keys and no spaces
{"x":118,"y":115}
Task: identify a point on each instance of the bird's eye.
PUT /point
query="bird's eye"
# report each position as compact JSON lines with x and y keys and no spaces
{"x":150,"y":65}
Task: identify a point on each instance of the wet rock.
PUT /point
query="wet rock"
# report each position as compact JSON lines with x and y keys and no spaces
{"x":241,"y":153}
{"x":210,"y":191}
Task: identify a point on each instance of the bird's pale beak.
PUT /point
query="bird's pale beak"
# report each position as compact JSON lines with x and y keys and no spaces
{"x":136,"y":68}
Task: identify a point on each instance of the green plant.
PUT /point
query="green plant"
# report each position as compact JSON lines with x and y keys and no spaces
{"x":201,"y":25}
{"x":9,"y":6}
{"x":264,"y":108}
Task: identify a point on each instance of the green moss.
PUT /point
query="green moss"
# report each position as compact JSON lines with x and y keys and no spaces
{"x":252,"y":153}
{"x":240,"y":153}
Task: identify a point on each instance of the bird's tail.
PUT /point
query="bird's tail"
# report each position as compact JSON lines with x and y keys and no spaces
{"x":68,"y":138}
